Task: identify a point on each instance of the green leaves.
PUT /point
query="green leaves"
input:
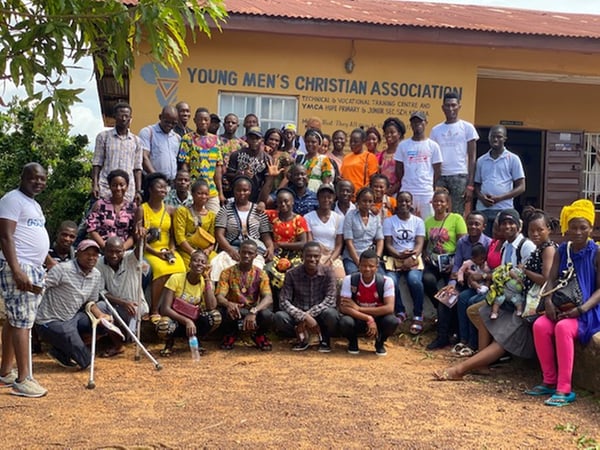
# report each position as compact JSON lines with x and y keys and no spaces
{"x":37,"y":37}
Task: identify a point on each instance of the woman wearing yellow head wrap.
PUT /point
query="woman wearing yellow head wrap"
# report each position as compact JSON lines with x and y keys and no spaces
{"x":555,"y":332}
{"x":579,"y":209}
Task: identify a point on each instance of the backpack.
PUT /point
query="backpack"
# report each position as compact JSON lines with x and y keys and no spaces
{"x":518,"y":250}
{"x":379,"y":283}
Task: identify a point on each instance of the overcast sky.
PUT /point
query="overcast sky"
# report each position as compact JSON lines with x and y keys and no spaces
{"x":86,"y":117}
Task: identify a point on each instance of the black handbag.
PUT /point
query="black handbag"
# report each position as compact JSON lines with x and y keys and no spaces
{"x":567,"y":294}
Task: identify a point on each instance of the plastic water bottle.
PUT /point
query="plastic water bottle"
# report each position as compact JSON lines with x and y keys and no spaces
{"x":194,"y":348}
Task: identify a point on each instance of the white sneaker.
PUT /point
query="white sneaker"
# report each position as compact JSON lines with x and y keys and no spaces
{"x":7,"y":380}
{"x":28,"y":388}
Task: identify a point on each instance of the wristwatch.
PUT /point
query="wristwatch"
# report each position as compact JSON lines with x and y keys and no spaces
{"x":253,"y":311}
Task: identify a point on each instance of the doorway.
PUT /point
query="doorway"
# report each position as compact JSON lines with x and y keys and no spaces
{"x":528,"y":145}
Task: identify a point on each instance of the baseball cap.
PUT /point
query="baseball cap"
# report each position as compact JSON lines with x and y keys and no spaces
{"x":326,"y":187}
{"x":215,"y":118}
{"x":87,"y":243}
{"x":255,"y":131}
{"x":419,"y":115}
{"x":509,"y":214}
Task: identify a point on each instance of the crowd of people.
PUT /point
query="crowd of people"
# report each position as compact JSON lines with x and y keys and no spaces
{"x":277,"y":231}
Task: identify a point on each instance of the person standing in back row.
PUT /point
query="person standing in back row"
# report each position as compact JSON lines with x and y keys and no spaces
{"x":418,"y":165}
{"x":499,"y":177}
{"x":458,"y":142}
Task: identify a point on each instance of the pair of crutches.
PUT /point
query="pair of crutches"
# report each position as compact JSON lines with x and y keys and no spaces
{"x":135,"y":336}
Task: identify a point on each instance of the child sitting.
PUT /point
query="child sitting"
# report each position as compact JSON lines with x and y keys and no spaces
{"x":507,"y":284}
{"x":477,"y":264}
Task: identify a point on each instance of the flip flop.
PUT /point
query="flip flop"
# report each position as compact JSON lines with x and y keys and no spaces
{"x":109,"y":353}
{"x":540,"y":390}
{"x":444,"y":375}
{"x":561,"y":399}
{"x":155,"y":318}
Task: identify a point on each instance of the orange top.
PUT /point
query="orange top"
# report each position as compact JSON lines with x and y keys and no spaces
{"x":358,"y":168}
{"x":385,"y":208}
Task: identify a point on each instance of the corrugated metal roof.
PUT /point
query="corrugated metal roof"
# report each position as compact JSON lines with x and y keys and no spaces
{"x":423,"y":15}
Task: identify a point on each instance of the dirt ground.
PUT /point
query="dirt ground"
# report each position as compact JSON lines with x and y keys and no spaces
{"x":248,"y":399}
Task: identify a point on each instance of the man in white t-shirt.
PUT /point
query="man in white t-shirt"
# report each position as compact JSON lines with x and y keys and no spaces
{"x":367,"y":305}
{"x":458,"y":142}
{"x":25,"y":244}
{"x":418,"y":165}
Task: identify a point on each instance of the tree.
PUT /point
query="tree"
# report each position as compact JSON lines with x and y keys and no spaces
{"x":65,"y":158}
{"x":38,"y":37}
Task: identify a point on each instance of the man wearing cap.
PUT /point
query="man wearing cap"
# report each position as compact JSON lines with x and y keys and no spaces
{"x":419,"y":165}
{"x":251,"y":162}
{"x":499,"y":177}
{"x":161,"y":144}
{"x":61,"y":318}
{"x":516,"y":248}
{"x":458,"y":142}
{"x":215,"y":123}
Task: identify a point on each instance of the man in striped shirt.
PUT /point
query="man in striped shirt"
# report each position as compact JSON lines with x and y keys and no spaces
{"x":61,"y":318}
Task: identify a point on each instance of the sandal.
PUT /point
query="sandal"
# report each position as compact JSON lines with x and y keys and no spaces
{"x":262,"y":342}
{"x":560,"y":399}
{"x":458,"y":347}
{"x":401,"y":318}
{"x":155,"y":318}
{"x":228,"y":342}
{"x":109,"y":353}
{"x":494,"y":315}
{"x":466,"y":352}
{"x":417,"y":325}
{"x":166,"y":352}
{"x":540,"y":390}
{"x":444,"y":375}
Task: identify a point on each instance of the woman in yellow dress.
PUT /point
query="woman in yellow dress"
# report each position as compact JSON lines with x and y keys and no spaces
{"x":155,"y":217}
{"x":194,"y":225}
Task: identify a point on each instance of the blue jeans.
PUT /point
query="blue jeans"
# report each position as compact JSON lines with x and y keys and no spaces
{"x":414,"y":279}
{"x":466,"y":330}
{"x":490,"y":215}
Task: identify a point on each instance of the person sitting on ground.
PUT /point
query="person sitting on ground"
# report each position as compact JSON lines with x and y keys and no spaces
{"x":367,"y":305}
{"x":155,"y":218}
{"x":289,"y":237}
{"x":194,"y":225}
{"x":184,"y":292}
{"x":383,"y":205}
{"x":180,"y":195}
{"x":555,"y":332}
{"x":307,"y":301}
{"x":327,"y":228}
{"x":245,"y":299}
{"x":113,"y":216}
{"x":61,"y":320}
{"x":120,"y":270}
{"x":404,"y":237}
{"x":362,"y":230}
{"x":507,"y":333}
{"x":238,"y":221}
{"x":62,"y":249}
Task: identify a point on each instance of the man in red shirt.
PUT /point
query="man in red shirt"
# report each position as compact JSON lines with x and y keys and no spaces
{"x":367,"y":305}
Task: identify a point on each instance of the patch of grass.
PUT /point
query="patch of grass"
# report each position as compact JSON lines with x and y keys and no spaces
{"x":583,"y":441}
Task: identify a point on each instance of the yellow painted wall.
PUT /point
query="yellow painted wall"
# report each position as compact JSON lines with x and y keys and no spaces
{"x":540,"y":105}
{"x":246,"y":62}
